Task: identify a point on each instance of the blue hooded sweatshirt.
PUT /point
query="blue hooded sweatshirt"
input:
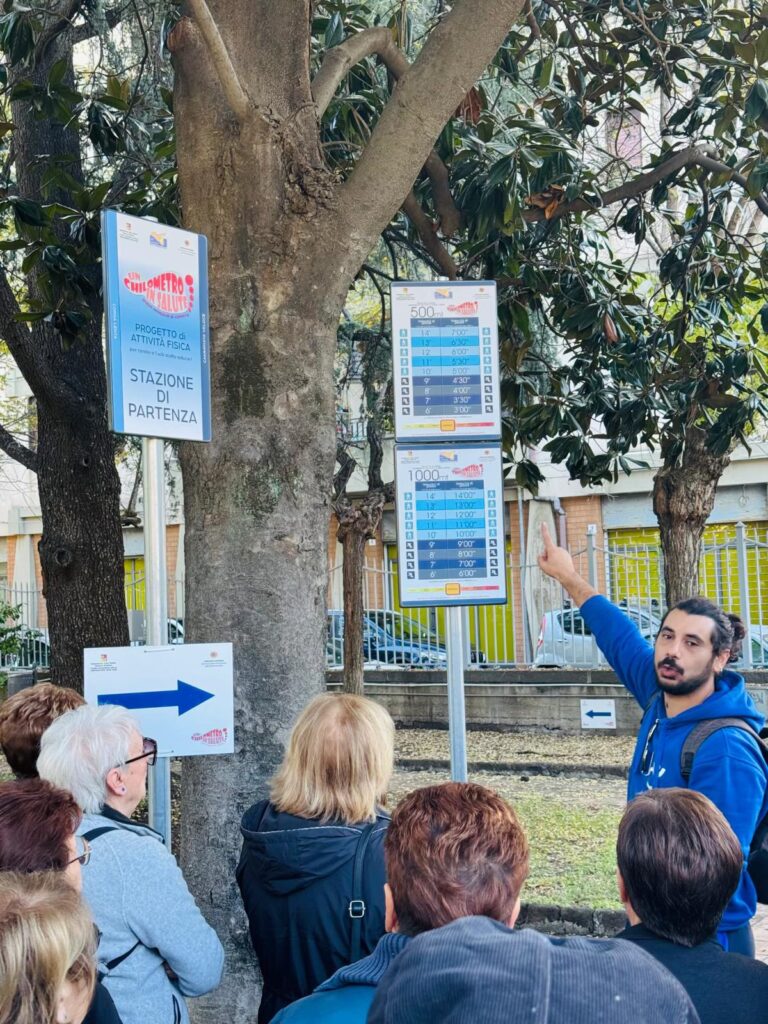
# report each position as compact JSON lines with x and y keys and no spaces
{"x":729,"y":768}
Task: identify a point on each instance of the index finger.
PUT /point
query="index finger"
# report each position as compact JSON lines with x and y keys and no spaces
{"x":546,"y":536}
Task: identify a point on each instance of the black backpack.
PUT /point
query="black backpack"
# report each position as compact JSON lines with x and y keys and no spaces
{"x":757,"y":862}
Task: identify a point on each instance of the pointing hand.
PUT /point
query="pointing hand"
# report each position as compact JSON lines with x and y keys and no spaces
{"x":554,"y":561}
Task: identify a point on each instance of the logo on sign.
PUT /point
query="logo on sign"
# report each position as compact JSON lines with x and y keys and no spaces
{"x":103,"y":657}
{"x":159,"y":239}
{"x":464,"y":308}
{"x":214,"y":737}
{"x":443,"y":293}
{"x":470,"y":472}
{"x":449,"y":456}
{"x":169,"y":293}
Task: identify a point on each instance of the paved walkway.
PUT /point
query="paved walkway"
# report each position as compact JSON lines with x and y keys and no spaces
{"x":760,"y":928}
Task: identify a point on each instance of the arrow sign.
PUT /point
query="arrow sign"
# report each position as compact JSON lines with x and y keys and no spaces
{"x":185,"y":697}
{"x":599,"y":714}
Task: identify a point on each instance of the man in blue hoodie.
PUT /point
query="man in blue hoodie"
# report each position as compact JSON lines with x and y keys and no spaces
{"x":451,"y":851}
{"x":679,"y":682}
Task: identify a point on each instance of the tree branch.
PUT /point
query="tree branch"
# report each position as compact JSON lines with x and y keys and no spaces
{"x":230,"y":83}
{"x":337,"y":63}
{"x":112,"y":18}
{"x":425,"y":98}
{"x":428,"y":234}
{"x":343,"y":474}
{"x":692,"y":156}
{"x":17,"y":451}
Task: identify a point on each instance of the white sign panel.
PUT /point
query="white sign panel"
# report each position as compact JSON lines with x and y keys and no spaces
{"x":182,"y":695}
{"x":598,"y":714}
{"x":450,"y":525}
{"x":445,"y":350}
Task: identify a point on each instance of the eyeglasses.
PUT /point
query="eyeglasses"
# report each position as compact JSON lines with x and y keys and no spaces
{"x":149,"y":751}
{"x":84,"y":851}
{"x":646,"y":761}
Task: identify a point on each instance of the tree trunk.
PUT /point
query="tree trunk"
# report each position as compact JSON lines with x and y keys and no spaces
{"x":683,"y":497}
{"x":81,"y":549}
{"x":286,"y":241}
{"x":358,"y":523}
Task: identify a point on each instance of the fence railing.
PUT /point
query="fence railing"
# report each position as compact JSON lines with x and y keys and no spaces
{"x":733,"y":572}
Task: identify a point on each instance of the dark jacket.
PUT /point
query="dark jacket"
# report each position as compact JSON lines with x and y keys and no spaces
{"x":295,"y":877}
{"x":729,"y":768}
{"x":477,"y":971}
{"x":102,"y":1009}
{"x":725,"y":988}
{"x":347,"y":996}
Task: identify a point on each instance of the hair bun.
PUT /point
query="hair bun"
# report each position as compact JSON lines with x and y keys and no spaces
{"x":739,"y":629}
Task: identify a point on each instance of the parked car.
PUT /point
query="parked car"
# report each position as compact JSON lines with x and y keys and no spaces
{"x":413,"y":631}
{"x":566,"y":639}
{"x":382,"y":647}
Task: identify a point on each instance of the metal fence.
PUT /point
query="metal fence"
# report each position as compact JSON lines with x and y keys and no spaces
{"x":539,"y":625}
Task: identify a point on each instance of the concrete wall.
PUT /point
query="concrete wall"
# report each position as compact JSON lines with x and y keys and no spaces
{"x":507,"y":700}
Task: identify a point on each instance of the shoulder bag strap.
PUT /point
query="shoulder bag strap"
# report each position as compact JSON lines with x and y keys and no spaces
{"x":703,"y":730}
{"x":356,"y":908}
{"x":92,"y":834}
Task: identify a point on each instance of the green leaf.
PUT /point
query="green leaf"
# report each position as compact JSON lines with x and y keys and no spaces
{"x":543,"y":72}
{"x":757,"y":179}
{"x":334,"y":33}
{"x":28,"y":212}
{"x":756,"y":101}
{"x":57,"y":72}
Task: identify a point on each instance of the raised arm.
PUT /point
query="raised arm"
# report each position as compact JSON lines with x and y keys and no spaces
{"x":557,"y":563}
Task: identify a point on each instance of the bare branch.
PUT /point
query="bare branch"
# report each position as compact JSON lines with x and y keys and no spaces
{"x":691,"y":157}
{"x":343,"y":474}
{"x":17,"y":451}
{"x":428,"y":235}
{"x":337,"y":63}
{"x":230,"y":83}
{"x":112,"y":17}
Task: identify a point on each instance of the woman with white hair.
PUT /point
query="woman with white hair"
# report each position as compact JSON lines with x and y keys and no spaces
{"x":311,"y":872}
{"x":155,"y":946}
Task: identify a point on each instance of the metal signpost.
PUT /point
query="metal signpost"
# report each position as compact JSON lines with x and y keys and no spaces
{"x":448,"y":470}
{"x":156,"y":300}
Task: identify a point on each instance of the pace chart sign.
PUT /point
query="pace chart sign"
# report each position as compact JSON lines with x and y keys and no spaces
{"x":156,"y":297}
{"x":450,"y":525}
{"x":446,"y":361}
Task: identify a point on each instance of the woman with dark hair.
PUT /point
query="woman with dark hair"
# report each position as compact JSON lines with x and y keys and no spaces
{"x":38,"y":822}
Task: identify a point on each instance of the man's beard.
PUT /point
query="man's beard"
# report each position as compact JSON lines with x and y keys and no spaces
{"x":684,"y":686}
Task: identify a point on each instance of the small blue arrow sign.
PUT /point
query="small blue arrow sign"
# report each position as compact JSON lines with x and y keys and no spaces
{"x":589,"y":714}
{"x":184,"y":697}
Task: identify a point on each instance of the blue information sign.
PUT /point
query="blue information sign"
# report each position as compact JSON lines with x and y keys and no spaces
{"x":156,"y":299}
{"x":450,"y":530}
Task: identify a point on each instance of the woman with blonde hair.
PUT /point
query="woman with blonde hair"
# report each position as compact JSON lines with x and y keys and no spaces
{"x":311,"y":872}
{"x":47,"y":947}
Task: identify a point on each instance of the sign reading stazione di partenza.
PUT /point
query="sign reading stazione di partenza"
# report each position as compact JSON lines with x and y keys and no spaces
{"x":156,"y":295}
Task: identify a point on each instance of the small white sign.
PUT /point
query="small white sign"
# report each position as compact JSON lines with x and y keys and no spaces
{"x":598,"y":714}
{"x":760,"y":696}
{"x":181,"y":695}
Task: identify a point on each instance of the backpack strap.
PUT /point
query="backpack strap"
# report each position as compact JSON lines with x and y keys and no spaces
{"x":92,"y":834}
{"x":703,"y":730}
{"x":357,"y":908}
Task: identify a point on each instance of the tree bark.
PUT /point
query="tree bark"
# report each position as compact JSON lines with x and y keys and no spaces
{"x":683,"y":498}
{"x":257,"y":498}
{"x":358,"y":523}
{"x":81,"y":548}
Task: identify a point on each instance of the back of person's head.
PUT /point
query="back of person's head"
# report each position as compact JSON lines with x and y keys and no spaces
{"x":25,"y":716}
{"x":452,"y":851}
{"x":339,"y":760}
{"x":680,"y":863}
{"x":478,"y":970}
{"x":79,"y":749}
{"x":47,"y":948}
{"x":37,"y":820}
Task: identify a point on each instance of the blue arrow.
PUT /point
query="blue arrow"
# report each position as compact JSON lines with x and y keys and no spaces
{"x":184,"y":697}
{"x":598,"y":714}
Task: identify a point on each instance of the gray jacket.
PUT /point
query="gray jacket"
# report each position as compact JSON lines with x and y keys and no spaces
{"x":137,"y":894}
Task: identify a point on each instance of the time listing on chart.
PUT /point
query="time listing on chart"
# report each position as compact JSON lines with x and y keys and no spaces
{"x":445,"y":352}
{"x":450,"y":525}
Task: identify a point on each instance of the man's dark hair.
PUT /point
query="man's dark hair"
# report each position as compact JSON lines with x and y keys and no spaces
{"x":727,"y":630}
{"x":680,"y":862}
